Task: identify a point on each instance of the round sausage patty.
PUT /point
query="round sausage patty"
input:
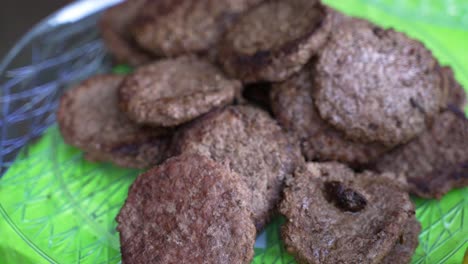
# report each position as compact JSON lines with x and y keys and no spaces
{"x":274,"y":40}
{"x":89,"y":119}
{"x":377,"y":85}
{"x":190,"y":209}
{"x":249,"y":142}
{"x":114,"y":25}
{"x":435,"y":162}
{"x":293,"y":107}
{"x":404,"y":249}
{"x":176,"y":27}
{"x":173,"y":91}
{"x":334,"y":215}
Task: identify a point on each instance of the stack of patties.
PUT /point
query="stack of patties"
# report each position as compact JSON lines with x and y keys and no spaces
{"x":247,"y":109}
{"x":375,"y":99}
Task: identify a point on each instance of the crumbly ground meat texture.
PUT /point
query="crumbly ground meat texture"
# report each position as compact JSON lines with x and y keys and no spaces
{"x":293,"y":106}
{"x":174,"y":91}
{"x":435,"y":162}
{"x":404,"y":249}
{"x":176,"y":27}
{"x":248,"y":141}
{"x":334,"y":215}
{"x":274,"y":40}
{"x":190,"y":209}
{"x":89,"y":119}
{"x":114,"y":25}
{"x":376,"y":85}
{"x":456,"y":95}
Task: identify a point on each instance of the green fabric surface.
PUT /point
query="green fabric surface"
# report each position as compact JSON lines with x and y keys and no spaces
{"x":55,"y":207}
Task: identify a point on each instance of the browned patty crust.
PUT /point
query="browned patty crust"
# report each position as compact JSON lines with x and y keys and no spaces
{"x":377,"y":85}
{"x":456,"y":95}
{"x":89,"y":119}
{"x":190,"y":209}
{"x":274,"y":40}
{"x":176,"y":27}
{"x":114,"y":25}
{"x":334,"y":215}
{"x":249,"y":142}
{"x":404,"y":249}
{"x":173,"y":91}
{"x":435,"y":162}
{"x":293,"y":106}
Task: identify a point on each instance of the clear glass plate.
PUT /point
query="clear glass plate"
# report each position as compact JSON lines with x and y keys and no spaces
{"x":55,"y":207}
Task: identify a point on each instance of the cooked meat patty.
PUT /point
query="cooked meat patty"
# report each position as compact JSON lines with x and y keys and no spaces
{"x":376,"y":85}
{"x":173,"y":91}
{"x":274,"y":40}
{"x":249,"y":142}
{"x":114,"y":26}
{"x":404,"y":249}
{"x":456,"y":95}
{"x":334,"y":215}
{"x":293,"y":107}
{"x":435,"y":162}
{"x":89,"y":119}
{"x":188,"y":210}
{"x":176,"y":27}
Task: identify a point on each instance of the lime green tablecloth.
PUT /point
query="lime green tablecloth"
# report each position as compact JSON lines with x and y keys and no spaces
{"x":57,"y":208}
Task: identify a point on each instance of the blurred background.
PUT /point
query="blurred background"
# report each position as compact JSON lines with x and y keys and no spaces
{"x":18,"y":16}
